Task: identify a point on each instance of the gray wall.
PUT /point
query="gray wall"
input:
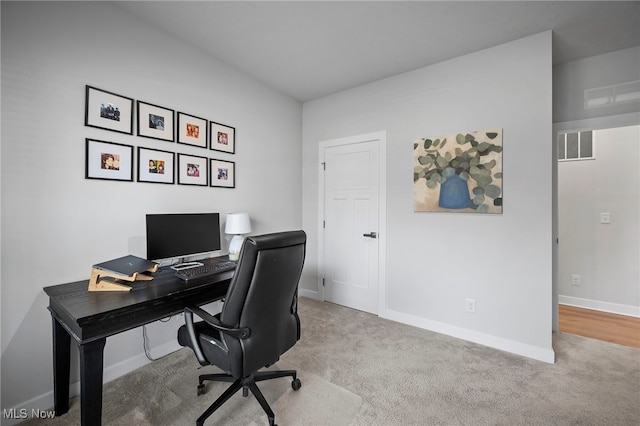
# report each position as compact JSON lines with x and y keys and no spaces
{"x":436,"y":260}
{"x":56,"y":224}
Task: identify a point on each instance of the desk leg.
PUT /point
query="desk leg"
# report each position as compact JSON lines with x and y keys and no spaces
{"x":91,"y":372}
{"x":61,"y":368}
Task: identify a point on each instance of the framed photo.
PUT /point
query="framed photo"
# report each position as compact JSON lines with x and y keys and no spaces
{"x":192,"y":130}
{"x":223,"y":138}
{"x":155,"y":166}
{"x":155,"y":122}
{"x":192,"y":170}
{"x":106,"y":110}
{"x":108,"y":160}
{"x":223,"y":173}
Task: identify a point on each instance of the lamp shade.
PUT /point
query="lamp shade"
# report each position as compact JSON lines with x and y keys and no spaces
{"x":237,"y":224}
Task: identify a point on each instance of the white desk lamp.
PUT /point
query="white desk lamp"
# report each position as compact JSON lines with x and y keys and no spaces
{"x":237,"y":225}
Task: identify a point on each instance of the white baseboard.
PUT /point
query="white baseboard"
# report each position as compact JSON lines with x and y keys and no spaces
{"x":44,"y":402}
{"x":613,"y":308}
{"x":512,"y":346}
{"x":309,"y":293}
{"x":535,"y":352}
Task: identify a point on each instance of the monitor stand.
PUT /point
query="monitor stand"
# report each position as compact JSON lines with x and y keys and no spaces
{"x":102,"y":280}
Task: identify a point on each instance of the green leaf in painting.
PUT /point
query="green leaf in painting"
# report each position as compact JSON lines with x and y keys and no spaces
{"x":483,"y":146}
{"x":442,"y":162}
{"x":478,"y":199}
{"x":492,"y":191}
{"x":425,"y":159}
{"x":448,"y":172}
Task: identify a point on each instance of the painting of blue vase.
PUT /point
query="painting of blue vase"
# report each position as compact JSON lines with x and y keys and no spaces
{"x":460,"y":173}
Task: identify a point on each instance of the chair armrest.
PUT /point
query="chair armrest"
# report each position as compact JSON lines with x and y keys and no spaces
{"x":239,"y":333}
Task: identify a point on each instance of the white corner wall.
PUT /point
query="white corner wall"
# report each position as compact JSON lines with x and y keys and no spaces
{"x":436,"y":260}
{"x":56,"y":224}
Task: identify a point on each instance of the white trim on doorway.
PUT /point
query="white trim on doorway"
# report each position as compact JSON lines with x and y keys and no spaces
{"x":381,"y":137}
{"x":596,"y":123}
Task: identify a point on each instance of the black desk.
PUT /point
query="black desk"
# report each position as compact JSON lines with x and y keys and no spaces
{"x":91,"y":317}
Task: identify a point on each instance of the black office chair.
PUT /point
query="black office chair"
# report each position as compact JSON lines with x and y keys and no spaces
{"x":259,"y":319}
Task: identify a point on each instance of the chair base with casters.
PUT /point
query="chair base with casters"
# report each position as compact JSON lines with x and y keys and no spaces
{"x":247,"y":384}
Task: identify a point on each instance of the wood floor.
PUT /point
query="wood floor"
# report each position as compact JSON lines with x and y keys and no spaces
{"x":620,"y":329}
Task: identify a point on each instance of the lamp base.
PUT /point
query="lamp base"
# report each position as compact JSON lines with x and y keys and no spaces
{"x":234,"y":247}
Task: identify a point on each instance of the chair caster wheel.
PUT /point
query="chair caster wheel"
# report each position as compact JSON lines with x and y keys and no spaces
{"x":201,"y":390}
{"x":296,"y":384}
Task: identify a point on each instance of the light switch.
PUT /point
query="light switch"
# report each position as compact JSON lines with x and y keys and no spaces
{"x":605,"y":217}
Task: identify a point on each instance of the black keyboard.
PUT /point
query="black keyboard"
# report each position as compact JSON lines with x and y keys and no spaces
{"x":197,"y":272}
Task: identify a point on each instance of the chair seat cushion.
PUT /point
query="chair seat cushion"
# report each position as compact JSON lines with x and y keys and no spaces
{"x":213,"y":347}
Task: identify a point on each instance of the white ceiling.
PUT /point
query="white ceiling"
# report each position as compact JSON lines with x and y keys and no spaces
{"x":310,"y":49}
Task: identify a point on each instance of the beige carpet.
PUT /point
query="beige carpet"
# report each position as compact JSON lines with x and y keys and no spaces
{"x":164,"y":393}
{"x":360,"y":370}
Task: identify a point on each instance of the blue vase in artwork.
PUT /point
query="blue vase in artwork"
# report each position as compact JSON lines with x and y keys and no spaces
{"x":454,"y":193}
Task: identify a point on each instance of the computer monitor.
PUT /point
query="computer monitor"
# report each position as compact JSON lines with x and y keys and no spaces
{"x":179,"y":235}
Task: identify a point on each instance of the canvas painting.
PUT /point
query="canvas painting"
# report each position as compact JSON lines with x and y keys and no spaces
{"x":459,"y":173}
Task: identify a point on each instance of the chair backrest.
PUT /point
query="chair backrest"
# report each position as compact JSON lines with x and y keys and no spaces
{"x":263,"y":297}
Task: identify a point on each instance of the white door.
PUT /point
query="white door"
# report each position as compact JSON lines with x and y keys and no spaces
{"x":351,"y":224}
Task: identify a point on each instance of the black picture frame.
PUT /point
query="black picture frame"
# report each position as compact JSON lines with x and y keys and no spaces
{"x":156,"y":166}
{"x":223,"y":173}
{"x":108,"y":160}
{"x":155,"y":122}
{"x":192,"y":130}
{"x":193,"y":170}
{"x":222,"y":137}
{"x":108,"y":110}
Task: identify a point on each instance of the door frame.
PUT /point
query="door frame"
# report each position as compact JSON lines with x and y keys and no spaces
{"x":594,"y":123}
{"x":381,"y":139}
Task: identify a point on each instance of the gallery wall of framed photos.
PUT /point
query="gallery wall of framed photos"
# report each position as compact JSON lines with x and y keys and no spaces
{"x":110,"y":160}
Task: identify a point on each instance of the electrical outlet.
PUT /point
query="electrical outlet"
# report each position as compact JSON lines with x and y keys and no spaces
{"x":576,"y":279}
{"x":470,"y":305}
